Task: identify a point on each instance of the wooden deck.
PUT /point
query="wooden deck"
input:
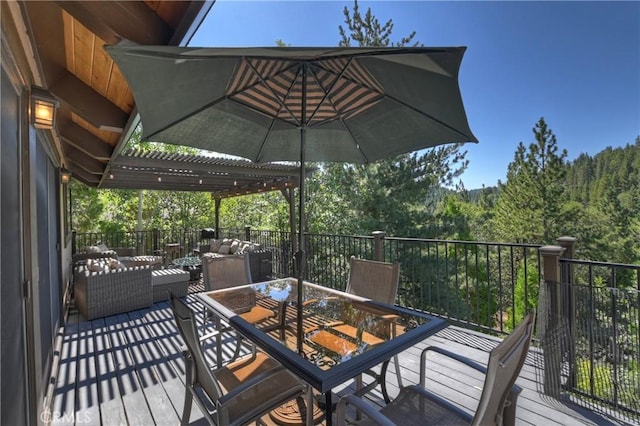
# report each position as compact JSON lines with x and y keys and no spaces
{"x":128,"y":369}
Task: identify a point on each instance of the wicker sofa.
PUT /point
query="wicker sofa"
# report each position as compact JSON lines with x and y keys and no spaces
{"x":99,"y":294}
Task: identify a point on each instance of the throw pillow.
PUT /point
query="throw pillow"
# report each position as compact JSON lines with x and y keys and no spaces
{"x":215,"y":245}
{"x":224,"y":249}
{"x":102,"y":247}
{"x":114,"y":264}
{"x":234,"y":246}
{"x":97,"y":265}
{"x":92,"y":249}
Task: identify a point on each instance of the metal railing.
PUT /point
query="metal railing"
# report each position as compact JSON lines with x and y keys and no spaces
{"x":601,"y":306}
{"x":486,"y":286}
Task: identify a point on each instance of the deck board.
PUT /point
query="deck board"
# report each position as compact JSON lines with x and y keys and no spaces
{"x":128,"y":369}
{"x":111,"y":408}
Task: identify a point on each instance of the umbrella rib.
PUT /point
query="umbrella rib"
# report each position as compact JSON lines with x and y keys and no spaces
{"x":326,"y":92}
{"x":348,"y":130}
{"x":264,"y":142}
{"x":428,"y":116}
{"x":275,"y":95}
{"x":186,"y":116}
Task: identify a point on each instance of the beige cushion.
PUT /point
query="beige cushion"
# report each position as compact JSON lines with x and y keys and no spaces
{"x":97,"y":265}
{"x":167,"y":276}
{"x":115,"y":264}
{"x":224,"y":249}
{"x":234,"y":246}
{"x":92,"y":249}
{"x":215,"y":245}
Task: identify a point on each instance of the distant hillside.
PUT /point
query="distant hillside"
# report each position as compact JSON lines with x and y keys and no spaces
{"x":590,"y":178}
{"x":613,"y":170}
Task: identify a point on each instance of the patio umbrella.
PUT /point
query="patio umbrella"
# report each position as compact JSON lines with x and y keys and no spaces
{"x":354,"y":105}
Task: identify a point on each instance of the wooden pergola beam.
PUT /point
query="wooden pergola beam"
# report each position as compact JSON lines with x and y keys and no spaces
{"x":199,"y":167}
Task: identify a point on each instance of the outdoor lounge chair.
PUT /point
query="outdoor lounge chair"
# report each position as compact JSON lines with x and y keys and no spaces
{"x":239,"y":392}
{"x":497,"y":405}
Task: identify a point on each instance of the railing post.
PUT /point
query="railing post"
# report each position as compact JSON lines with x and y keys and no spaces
{"x":247,"y":233}
{"x":378,"y":245}
{"x":154,"y":233}
{"x":73,"y":241}
{"x":569,"y":301}
{"x":550,"y":319}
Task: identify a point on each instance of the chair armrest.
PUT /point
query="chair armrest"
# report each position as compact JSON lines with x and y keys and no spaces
{"x":248,"y":384}
{"x":208,"y":336}
{"x":369,"y":410}
{"x":509,"y":410}
{"x":467,"y":361}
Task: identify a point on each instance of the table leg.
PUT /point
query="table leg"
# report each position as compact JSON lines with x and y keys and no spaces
{"x":328,"y":408}
{"x":218,"y":342}
{"x":383,"y":381}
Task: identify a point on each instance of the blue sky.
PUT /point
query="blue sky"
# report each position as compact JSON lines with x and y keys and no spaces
{"x":577,"y":64}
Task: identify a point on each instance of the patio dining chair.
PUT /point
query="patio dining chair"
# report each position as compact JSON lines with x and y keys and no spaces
{"x":220,"y":272}
{"x":376,"y":281}
{"x":240,"y":392}
{"x":497,"y":405}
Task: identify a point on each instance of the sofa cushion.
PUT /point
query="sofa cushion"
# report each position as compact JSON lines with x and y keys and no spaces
{"x":215,"y":245}
{"x":173,"y":280}
{"x":98,"y":265}
{"x":166,"y":276}
{"x":224,"y":249}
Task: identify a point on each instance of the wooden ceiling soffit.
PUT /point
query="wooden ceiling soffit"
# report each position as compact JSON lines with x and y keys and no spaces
{"x":83,"y":176}
{"x":84,"y":140}
{"x":115,"y":20}
{"x":89,"y":104}
{"x":46,"y":24}
{"x":199,"y":168}
{"x":82,"y":160}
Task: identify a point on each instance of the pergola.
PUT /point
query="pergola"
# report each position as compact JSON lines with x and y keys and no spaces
{"x":96,"y":112}
{"x":220,"y":177}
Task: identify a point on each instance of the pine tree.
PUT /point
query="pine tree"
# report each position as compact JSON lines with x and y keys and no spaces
{"x":530,"y":206}
{"x":392,"y":194}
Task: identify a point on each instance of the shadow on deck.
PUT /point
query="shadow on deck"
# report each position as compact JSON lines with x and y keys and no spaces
{"x":128,"y":369}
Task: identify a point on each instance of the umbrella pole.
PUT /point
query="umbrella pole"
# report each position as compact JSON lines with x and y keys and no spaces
{"x":301,"y":253}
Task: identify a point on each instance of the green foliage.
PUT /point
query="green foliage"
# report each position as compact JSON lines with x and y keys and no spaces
{"x":86,"y":207}
{"x":259,"y":211}
{"x":367,"y":31}
{"x":531,"y":203}
{"x":527,"y":287}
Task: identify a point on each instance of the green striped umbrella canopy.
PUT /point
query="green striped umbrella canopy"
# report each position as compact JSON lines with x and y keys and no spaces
{"x":341,"y":104}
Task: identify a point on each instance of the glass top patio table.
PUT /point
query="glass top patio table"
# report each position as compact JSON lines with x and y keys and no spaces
{"x":187,"y":261}
{"x":329,"y":356}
